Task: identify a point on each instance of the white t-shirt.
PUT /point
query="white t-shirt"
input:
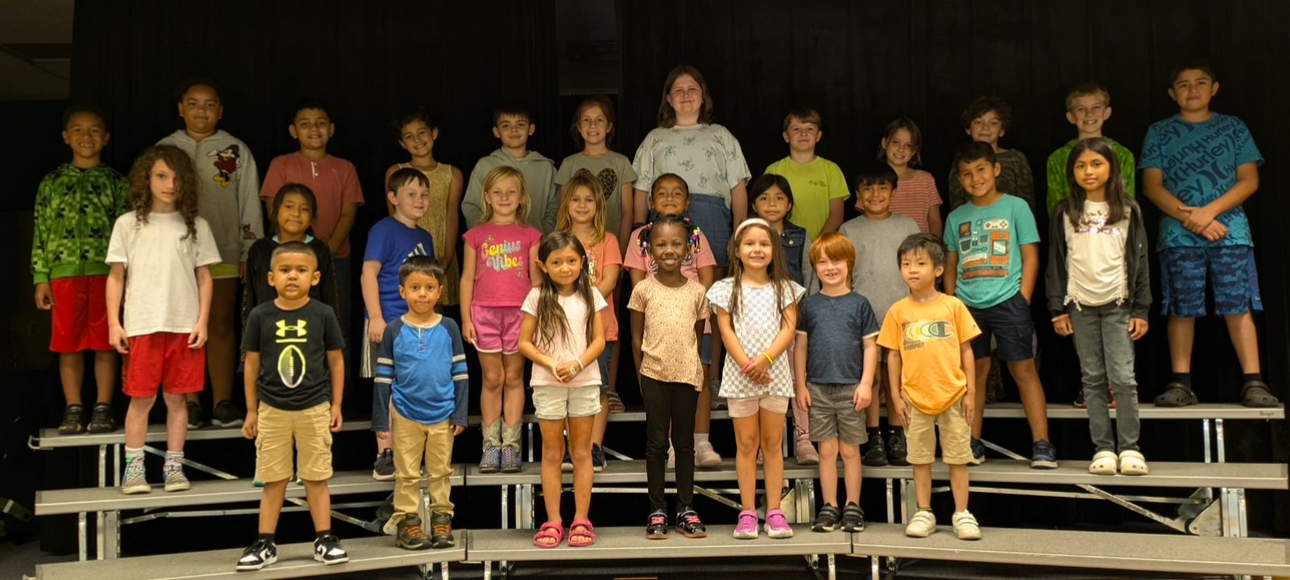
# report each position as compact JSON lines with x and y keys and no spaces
{"x":566,"y":348}
{"x":756,"y":326}
{"x":160,"y":277}
{"x":1095,"y":254}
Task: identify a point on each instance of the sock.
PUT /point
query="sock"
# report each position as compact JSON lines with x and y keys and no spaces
{"x":267,"y":537}
{"x":1248,"y":378}
{"x":174,"y":457}
{"x":322,"y":533}
{"x":131,"y":454}
{"x":1184,"y":379}
{"x":924,"y":509}
{"x":700,"y":438}
{"x":874,"y":432}
{"x":895,"y":430}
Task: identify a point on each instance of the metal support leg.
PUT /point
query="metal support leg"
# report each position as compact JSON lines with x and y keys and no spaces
{"x":100,"y":544}
{"x":111,"y":535}
{"x":506,"y":509}
{"x":488,"y":570}
{"x":873,"y":568}
{"x":833,"y":568}
{"x":891,"y":507}
{"x":81,"y":540}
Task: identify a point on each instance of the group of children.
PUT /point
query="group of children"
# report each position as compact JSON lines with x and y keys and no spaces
{"x":808,"y":310}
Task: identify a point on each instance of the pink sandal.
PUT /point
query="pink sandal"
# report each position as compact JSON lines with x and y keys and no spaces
{"x":547,"y":531}
{"x":588,"y":533}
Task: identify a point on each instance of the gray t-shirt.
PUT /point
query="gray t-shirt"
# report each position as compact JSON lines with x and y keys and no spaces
{"x":613,"y":171}
{"x":836,"y":327}
{"x":877,"y":272}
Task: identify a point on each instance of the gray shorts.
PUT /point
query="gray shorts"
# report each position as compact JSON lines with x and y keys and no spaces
{"x":834,"y":416}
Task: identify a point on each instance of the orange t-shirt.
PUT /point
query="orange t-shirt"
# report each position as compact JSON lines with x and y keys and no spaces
{"x":928,"y":337}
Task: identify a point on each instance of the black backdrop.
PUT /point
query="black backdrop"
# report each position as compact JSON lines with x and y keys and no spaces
{"x":859,"y":63}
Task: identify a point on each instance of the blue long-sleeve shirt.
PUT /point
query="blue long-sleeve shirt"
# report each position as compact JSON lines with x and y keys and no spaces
{"x":424,"y":371}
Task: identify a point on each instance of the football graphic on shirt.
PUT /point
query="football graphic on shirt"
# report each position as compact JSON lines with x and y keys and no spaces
{"x":291,"y":366}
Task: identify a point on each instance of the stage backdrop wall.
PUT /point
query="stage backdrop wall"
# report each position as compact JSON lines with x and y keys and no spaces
{"x":862,"y":64}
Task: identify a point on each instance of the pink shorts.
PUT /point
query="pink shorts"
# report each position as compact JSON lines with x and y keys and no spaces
{"x":742,"y":407}
{"x":163,"y":359}
{"x":496,"y":329}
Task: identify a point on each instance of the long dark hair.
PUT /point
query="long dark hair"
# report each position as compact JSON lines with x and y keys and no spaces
{"x":551,"y":318}
{"x":186,"y":188}
{"x":764,"y":183}
{"x":778,"y":270}
{"x":1116,"y":197}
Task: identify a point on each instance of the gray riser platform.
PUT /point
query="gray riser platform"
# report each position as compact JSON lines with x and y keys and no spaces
{"x":294,"y":561}
{"x":50,"y":439}
{"x":629,"y":543}
{"x":203,"y":493}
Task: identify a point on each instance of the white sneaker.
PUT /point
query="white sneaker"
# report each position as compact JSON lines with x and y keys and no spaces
{"x":921,"y":525}
{"x":1104,"y":463}
{"x":965,"y":526}
{"x":1132,"y":463}
{"x":705,"y":455}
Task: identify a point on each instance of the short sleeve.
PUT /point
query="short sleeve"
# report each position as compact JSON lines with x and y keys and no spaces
{"x":796,"y":291}
{"x":1153,"y":155}
{"x":351,"y":191}
{"x":332,"y":337}
{"x":803,"y":313}
{"x":933,"y":194}
{"x":736,"y":165}
{"x":719,"y":294}
{"x":611,"y":254}
{"x":643,"y":164}
{"x":633,"y":258}
{"x":1246,"y":150}
{"x":251,"y":334}
{"x":533,"y":234}
{"x":273,"y":180}
{"x":965,"y":324}
{"x":627,"y":173}
{"x":704,"y":257}
{"x":378,"y":241}
{"x":705,"y":311}
{"x":530,"y":305}
{"x":116,"y":253}
{"x":837,"y":183}
{"x":598,"y":302}
{"x":1027,"y":231}
{"x":207,"y":251}
{"x":889,"y":334}
{"x":949,"y":236}
{"x":565,"y":172}
{"x":639,"y":298}
{"x":868,"y":322}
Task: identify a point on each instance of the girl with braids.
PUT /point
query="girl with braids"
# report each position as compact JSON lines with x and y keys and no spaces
{"x":757,"y":316}
{"x":563,"y":334}
{"x":159,"y":258}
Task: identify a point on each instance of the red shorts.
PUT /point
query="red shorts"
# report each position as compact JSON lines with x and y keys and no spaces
{"x":80,"y":314}
{"x":161,"y":359}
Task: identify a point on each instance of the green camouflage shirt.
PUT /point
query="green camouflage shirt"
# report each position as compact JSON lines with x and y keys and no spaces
{"x":75,"y":210}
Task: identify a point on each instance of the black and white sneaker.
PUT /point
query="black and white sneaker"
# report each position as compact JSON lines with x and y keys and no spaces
{"x":328,"y":550}
{"x":226,"y":415}
{"x":258,"y":555}
{"x":383,"y":469}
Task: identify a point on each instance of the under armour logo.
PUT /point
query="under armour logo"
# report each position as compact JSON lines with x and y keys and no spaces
{"x":299,"y":329}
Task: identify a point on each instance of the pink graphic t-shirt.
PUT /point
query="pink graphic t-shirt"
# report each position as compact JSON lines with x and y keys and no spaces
{"x":502,"y":263}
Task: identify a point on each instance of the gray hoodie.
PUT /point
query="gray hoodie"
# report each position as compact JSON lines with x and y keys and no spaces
{"x":229,"y":199}
{"x":539,"y":181}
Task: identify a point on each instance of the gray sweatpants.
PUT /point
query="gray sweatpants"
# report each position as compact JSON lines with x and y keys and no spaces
{"x":1106,"y":358}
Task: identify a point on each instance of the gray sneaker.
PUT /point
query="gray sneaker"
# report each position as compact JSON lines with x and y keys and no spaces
{"x":175,"y":479}
{"x":135,"y":480}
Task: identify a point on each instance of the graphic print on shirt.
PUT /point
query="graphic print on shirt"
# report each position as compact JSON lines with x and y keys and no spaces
{"x":227,"y":160}
{"x":919,"y":332}
{"x":607,"y":177}
{"x":503,"y":256}
{"x":983,"y":248}
{"x":291,"y":361}
{"x":1094,"y":222}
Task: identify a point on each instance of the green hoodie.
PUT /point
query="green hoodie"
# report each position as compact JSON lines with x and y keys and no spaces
{"x":75,"y":210}
{"x":539,"y":181}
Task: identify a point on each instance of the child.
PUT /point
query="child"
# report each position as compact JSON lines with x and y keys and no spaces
{"x":593,"y":128}
{"x":901,"y":149}
{"x":513,"y":125}
{"x":1088,"y":106}
{"x":167,"y":249}
{"x":1199,"y":167}
{"x":669,"y":312}
{"x":228,"y":185}
{"x":293,"y":210}
{"x":834,"y":368}
{"x":593,"y":131}
{"x":583,"y":214}
{"x":75,"y":207}
{"x":821,"y":188}
{"x":771,"y":198}
{"x":389,"y":243}
{"x":424,"y":364}
{"x":992,"y":266}
{"x":416,"y":133}
{"x":563,"y":334}
{"x":337,"y":195}
{"x":929,"y":358}
{"x":295,"y":379}
{"x":671,"y":198}
{"x":499,"y":268}
{"x":703,"y":153}
{"x":986,"y":120}
{"x":1099,"y":289}
{"x":876,"y":235}
{"x":757,"y":314}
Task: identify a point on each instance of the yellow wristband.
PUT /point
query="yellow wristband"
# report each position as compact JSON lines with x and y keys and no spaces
{"x":768,"y":359}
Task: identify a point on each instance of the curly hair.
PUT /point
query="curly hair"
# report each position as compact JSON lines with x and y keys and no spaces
{"x":984,"y":104}
{"x":186,"y":189}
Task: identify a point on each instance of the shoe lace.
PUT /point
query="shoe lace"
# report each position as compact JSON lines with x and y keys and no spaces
{"x":415,"y":532}
{"x":441,"y":529}
{"x":691,"y":518}
{"x":658,"y":520}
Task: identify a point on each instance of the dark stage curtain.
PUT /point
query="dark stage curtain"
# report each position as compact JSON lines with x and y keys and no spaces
{"x":862,"y":64}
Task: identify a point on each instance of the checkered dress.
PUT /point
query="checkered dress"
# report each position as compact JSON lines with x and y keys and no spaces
{"x":756,"y":326}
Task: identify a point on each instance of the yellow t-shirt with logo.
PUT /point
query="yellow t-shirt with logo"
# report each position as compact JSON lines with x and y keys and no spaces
{"x":814,"y":184}
{"x":928,"y":336}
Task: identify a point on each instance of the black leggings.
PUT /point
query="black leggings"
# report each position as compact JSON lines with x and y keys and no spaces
{"x":669,"y":405}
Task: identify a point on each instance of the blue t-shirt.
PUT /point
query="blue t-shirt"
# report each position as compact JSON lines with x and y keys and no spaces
{"x":1199,"y":162}
{"x":426,"y":370}
{"x":988,"y":241}
{"x":390,"y":243}
{"x":835,"y":329}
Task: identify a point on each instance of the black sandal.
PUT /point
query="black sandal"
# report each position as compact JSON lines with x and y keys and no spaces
{"x":1257,"y":394}
{"x":1176,"y":395}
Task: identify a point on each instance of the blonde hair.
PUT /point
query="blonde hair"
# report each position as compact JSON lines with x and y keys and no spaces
{"x":496,"y":175}
{"x":564,"y":223}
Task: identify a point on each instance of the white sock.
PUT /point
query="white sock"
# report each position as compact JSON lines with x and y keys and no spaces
{"x":130,"y":453}
{"x":700,"y":438}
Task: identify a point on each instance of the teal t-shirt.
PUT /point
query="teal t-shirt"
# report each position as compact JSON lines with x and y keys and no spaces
{"x":988,"y":241}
